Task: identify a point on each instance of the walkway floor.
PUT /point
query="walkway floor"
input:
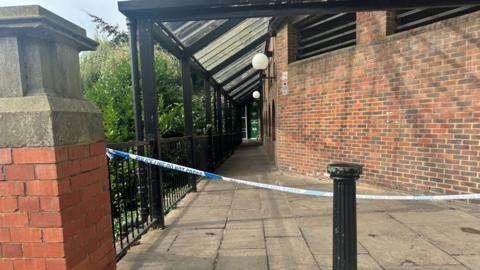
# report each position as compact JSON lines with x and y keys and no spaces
{"x":224,"y":226}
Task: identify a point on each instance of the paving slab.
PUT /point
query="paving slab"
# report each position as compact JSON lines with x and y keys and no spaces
{"x":320,"y":240}
{"x":281,"y":228}
{"x":440,"y":267}
{"x":393,"y":244}
{"x":471,"y":261}
{"x":289,"y":253}
{"x":196,"y":243}
{"x":251,"y":238}
{"x":167,"y":262}
{"x":242,"y":259}
{"x":365,"y":262}
{"x":244,"y":224}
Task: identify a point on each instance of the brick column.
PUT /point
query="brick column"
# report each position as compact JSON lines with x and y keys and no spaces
{"x":54,"y":189}
{"x":374,"y":25}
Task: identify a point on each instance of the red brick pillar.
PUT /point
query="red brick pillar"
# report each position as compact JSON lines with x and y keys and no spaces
{"x":54,"y":189}
{"x":55,"y":208}
{"x":374,"y":25}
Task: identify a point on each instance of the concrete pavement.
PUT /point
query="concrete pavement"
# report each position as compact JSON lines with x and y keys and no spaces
{"x":226,"y":226}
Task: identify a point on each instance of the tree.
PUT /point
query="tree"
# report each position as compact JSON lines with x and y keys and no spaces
{"x":112,"y":32}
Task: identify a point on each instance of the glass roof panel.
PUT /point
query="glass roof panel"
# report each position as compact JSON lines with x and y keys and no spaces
{"x":190,"y":32}
{"x":242,"y":77}
{"x":237,"y":65}
{"x":232,"y":42}
{"x":244,"y":92}
{"x":224,"y":47}
{"x":242,"y":87}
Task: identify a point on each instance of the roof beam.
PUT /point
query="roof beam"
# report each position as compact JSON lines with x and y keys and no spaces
{"x":245,"y":86}
{"x":244,"y":100}
{"x":247,"y":95}
{"x":245,"y":89}
{"x":243,"y":81}
{"x":240,"y":53}
{"x":173,"y":45}
{"x":251,"y":89}
{"x":174,"y":10}
{"x":167,"y":43}
{"x":213,"y":35}
{"x":236,"y":74}
{"x":275,"y":24}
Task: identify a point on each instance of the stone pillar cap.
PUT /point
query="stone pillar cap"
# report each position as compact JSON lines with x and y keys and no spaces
{"x":37,"y":21}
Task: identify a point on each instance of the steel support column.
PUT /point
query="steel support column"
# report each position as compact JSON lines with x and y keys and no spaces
{"x":216,"y":145}
{"x":230,"y":124}
{"x":137,"y":98}
{"x":208,"y":118}
{"x":187,"y":108}
{"x":219,"y":121}
{"x":150,"y":111}
{"x":227,"y":127}
{"x":137,"y":111}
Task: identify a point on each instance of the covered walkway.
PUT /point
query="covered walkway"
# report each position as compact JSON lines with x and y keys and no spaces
{"x":224,"y":226}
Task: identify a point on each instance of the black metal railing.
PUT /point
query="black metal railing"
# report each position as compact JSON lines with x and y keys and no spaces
{"x":217,"y":150}
{"x":175,"y":184}
{"x":132,"y":184}
{"x":130,"y":195}
{"x":203,"y":153}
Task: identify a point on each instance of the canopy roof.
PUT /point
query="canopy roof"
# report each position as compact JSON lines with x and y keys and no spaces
{"x":220,"y":37}
{"x":219,"y":49}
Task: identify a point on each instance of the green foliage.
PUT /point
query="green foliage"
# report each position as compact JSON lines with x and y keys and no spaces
{"x":171,"y":122}
{"x":106,"y":81}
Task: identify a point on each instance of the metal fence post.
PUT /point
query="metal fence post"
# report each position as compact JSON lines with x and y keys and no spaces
{"x":344,"y":176}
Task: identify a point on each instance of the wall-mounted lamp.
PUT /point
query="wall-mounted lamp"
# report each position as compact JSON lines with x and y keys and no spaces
{"x":256,"y":95}
{"x":260,"y":62}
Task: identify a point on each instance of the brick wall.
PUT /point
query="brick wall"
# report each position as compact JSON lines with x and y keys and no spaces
{"x":55,"y":209}
{"x":284,"y":46}
{"x":406,"y":105}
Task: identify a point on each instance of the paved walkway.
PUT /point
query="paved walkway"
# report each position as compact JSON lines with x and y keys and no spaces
{"x":224,"y":226}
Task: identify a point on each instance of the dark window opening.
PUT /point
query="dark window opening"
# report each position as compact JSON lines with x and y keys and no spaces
{"x":319,"y":34}
{"x":413,"y":18}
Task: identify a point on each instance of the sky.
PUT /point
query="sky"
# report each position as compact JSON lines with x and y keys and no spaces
{"x":76,"y":11}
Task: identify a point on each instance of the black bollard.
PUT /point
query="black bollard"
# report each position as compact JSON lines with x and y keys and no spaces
{"x":344,"y":176}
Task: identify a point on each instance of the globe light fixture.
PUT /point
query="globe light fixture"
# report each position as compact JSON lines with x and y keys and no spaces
{"x":260,"y":61}
{"x":256,"y":95}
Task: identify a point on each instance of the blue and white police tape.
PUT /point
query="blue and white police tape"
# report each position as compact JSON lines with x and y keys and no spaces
{"x":111,"y":153}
